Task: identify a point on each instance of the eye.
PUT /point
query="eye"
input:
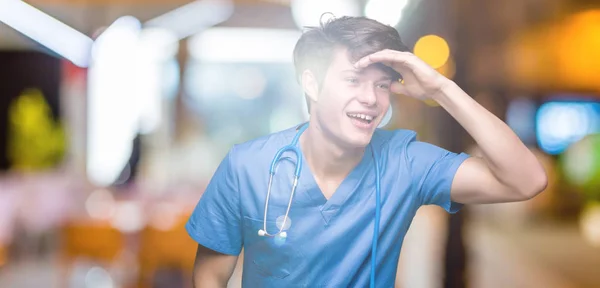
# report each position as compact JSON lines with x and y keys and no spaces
{"x":352,"y":80}
{"x":383,"y":86}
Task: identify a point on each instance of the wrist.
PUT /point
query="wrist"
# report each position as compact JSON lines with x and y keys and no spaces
{"x":446,"y":89}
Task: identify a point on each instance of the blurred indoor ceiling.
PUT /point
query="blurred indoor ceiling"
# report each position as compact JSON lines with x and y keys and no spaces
{"x":144,"y":2}
{"x":531,"y":44}
{"x":88,"y":16}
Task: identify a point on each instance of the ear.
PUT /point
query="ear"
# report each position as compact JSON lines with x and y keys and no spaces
{"x":310,"y":85}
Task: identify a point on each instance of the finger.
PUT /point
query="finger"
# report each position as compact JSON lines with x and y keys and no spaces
{"x":398,"y":88}
{"x":391,"y":56}
{"x":393,"y":59}
{"x":388,"y":57}
{"x":370,"y":59}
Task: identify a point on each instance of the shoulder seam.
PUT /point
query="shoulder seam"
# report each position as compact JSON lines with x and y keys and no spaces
{"x":236,"y":176}
{"x":412,"y":134}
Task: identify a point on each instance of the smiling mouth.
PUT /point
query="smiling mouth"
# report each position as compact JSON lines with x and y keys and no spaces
{"x":367,"y":119}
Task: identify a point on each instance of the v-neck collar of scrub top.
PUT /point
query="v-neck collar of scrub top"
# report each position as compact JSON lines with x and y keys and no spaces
{"x":346,"y":189}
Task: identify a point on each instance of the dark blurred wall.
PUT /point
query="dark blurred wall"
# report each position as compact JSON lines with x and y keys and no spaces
{"x":20,"y":70}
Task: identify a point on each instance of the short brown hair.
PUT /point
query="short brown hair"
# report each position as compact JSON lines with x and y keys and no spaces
{"x":361,"y":36}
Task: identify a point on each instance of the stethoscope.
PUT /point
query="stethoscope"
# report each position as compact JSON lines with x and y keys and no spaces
{"x":293,"y":148}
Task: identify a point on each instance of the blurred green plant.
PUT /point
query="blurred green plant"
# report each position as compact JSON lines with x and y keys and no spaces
{"x":35,"y":140}
{"x":581,"y":166}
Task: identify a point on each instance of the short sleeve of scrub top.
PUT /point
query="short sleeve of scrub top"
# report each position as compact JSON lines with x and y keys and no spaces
{"x":215,"y":222}
{"x":434,"y":169}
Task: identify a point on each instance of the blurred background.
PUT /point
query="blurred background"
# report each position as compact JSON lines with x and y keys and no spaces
{"x":114,"y":115}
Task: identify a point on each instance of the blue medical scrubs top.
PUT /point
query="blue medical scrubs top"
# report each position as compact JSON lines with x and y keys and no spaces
{"x":329,"y":241}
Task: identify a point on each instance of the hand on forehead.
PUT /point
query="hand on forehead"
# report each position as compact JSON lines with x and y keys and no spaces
{"x":343,"y":61}
{"x":387,"y":57}
{"x":379,"y":62}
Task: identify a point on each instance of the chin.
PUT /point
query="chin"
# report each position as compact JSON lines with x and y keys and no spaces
{"x":351,"y":136}
{"x":361,"y":142}
{"x":358,"y":139}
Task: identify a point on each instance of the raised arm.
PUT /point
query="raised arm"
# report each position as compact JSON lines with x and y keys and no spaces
{"x":506,"y":172}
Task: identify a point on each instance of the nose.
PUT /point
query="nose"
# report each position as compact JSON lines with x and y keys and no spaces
{"x":368,"y":97}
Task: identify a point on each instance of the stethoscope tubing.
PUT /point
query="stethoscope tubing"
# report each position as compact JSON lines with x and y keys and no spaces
{"x":298,"y":169}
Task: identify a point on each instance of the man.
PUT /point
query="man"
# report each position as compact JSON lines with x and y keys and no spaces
{"x":349,"y":68}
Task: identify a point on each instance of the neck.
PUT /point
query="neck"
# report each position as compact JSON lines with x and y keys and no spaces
{"x":325,"y":157}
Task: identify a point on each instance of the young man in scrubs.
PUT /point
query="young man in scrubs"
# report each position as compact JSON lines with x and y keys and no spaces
{"x":349,"y":69}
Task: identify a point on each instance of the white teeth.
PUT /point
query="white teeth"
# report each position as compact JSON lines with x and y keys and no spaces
{"x":362,"y":116}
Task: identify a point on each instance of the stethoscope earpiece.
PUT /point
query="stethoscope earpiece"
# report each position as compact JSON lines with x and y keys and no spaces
{"x":386,"y":118}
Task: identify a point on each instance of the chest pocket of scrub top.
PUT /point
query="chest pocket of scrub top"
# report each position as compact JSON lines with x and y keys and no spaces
{"x":271,"y":257}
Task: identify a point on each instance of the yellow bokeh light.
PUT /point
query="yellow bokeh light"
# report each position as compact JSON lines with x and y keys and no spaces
{"x":431,"y":102}
{"x":448,"y":69}
{"x":577,"y":51}
{"x":569,"y":46}
{"x":432,"y":49}
{"x":2,"y":255}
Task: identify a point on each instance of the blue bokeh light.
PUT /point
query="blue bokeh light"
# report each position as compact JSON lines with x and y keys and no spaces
{"x":559,"y":124}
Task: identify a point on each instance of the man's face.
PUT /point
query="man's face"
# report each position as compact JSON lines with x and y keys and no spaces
{"x":351,"y":103}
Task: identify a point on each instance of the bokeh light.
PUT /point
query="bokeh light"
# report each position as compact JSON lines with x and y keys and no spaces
{"x":569,"y":46}
{"x":279,"y":222}
{"x":128,"y":216}
{"x":100,"y":204}
{"x":388,"y":12}
{"x":165,"y":216}
{"x":560,"y":124}
{"x":448,"y":69}
{"x":250,"y":83}
{"x":581,"y":165}
{"x":577,"y":50}
{"x":432,"y":49}
{"x":431,"y":102}
{"x":589,"y":224}
{"x":2,"y":255}
{"x":98,"y":277}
